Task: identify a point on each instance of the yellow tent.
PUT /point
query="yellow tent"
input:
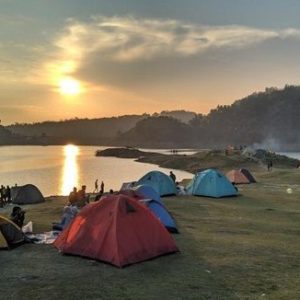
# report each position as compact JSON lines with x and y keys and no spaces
{"x":3,"y":243}
{"x":10,"y":233}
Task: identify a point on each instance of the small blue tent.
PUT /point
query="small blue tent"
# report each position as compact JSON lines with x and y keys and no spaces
{"x":147,"y":192}
{"x":211,"y":183}
{"x":160,"y":182}
{"x":161,"y":212}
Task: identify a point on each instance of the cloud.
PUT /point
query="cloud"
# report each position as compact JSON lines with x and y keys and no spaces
{"x":132,"y":53}
{"x":126,"y":39}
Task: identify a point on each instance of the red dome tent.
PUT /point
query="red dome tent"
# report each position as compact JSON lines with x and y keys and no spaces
{"x":247,"y":173}
{"x":240,"y":176}
{"x":118,"y":230}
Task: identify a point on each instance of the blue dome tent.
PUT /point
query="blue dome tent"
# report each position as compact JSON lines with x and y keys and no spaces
{"x":160,"y":182}
{"x":161,"y":212}
{"x":211,"y":183}
{"x":147,"y":192}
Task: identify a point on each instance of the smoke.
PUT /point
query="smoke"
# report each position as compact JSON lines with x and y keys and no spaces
{"x":270,"y":144}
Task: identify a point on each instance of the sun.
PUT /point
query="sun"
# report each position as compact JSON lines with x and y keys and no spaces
{"x":69,"y":86}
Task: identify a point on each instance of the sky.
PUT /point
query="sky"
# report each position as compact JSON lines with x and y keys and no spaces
{"x":61,"y":59}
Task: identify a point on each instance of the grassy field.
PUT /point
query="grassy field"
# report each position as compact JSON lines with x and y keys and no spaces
{"x":246,"y":247}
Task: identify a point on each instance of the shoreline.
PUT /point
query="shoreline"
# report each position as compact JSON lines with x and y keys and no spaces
{"x":189,"y":163}
{"x":220,"y":159}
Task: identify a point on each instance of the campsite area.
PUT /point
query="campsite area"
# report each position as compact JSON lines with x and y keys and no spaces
{"x":244,"y":247}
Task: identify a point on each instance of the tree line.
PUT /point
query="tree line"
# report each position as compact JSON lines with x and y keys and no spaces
{"x":269,"y":118}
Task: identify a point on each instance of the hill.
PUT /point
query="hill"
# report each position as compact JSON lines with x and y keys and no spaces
{"x":162,"y":132}
{"x":6,"y":137}
{"x":79,"y":131}
{"x":267,"y":120}
{"x":181,"y":115}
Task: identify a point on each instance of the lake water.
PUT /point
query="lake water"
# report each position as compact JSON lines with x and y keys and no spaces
{"x":55,"y":170}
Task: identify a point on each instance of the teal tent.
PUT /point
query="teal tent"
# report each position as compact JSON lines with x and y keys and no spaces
{"x":211,"y":183}
{"x":160,"y":182}
{"x":161,"y":212}
{"x":147,"y":192}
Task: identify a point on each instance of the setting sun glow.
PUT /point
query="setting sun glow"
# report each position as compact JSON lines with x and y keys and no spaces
{"x":69,"y":86}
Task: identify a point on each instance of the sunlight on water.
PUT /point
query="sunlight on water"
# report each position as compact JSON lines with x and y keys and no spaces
{"x":70,"y":172}
{"x":55,"y":170}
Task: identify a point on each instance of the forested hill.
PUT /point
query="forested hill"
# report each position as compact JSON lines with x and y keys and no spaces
{"x":81,"y":131}
{"x":181,"y":115}
{"x":87,"y":131}
{"x":269,"y":119}
{"x":7,"y":138}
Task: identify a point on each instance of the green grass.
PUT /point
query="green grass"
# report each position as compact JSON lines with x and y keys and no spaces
{"x":246,"y":247}
{"x":218,"y":159}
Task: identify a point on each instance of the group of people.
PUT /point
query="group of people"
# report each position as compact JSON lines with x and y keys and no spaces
{"x":99,"y":192}
{"x":96,"y":190}
{"x":81,"y":198}
{"x":78,"y":198}
{"x":5,"y":195}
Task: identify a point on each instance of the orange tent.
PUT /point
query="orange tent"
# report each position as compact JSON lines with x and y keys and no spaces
{"x":118,"y":230}
{"x":240,"y":176}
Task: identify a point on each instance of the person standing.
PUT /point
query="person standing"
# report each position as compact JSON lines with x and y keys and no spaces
{"x":8,"y":194}
{"x":2,"y":195}
{"x":172,"y":175}
{"x":101,"y":192}
{"x":269,"y":165}
{"x":96,"y":186}
{"x":102,"y":188}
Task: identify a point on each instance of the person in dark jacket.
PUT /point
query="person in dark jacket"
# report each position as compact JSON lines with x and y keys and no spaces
{"x":172,"y":175}
{"x":2,"y":195}
{"x":269,"y":165}
{"x":7,"y":194}
{"x":18,"y":216}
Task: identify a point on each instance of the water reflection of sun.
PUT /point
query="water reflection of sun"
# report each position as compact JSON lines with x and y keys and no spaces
{"x":70,"y":170}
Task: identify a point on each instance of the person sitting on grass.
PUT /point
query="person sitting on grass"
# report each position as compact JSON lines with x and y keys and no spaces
{"x":73,"y":197}
{"x":83,"y":198}
{"x":69,"y":212}
{"x":17,"y":216}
